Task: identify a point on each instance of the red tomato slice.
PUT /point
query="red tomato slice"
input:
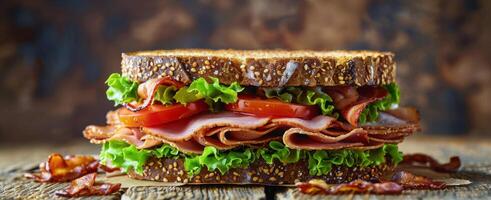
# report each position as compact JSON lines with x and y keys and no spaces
{"x":160,"y":114}
{"x":272,"y":108}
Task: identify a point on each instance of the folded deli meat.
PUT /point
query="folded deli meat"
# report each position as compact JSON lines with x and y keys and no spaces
{"x":258,"y":117}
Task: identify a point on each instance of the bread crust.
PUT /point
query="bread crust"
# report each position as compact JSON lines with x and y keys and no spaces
{"x":172,"y":171}
{"x":267,"y":68}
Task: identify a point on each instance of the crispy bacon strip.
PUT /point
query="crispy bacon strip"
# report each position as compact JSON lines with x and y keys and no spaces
{"x":400,"y":181}
{"x":62,"y":169}
{"x":86,"y":186}
{"x":368,"y":94}
{"x":343,"y":96}
{"x":147,"y":91}
{"x":411,"y":181}
{"x":425,"y":160}
{"x":317,"y":186}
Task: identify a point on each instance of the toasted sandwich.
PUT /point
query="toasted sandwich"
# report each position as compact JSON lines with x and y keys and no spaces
{"x":268,"y":117}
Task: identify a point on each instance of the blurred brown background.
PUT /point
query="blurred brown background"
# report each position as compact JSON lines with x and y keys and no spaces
{"x":55,"y":55}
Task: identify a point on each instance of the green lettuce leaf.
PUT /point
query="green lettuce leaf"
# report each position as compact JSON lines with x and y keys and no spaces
{"x":278,"y":93}
{"x":395,"y":155}
{"x":213,"y":93}
{"x":304,"y":96}
{"x":320,"y":162}
{"x":192,"y":165}
{"x":316,"y":97}
{"x":125,"y":156}
{"x":166,"y":151}
{"x":213,"y":159}
{"x":279,"y":151}
{"x":185,"y":96}
{"x":371,"y":112}
{"x":121,"y":89}
{"x":165,"y":94}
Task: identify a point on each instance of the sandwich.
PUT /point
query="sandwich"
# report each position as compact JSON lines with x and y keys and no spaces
{"x":268,"y":117}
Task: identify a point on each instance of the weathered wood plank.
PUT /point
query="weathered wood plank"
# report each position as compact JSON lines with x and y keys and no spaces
{"x":479,"y":189}
{"x":14,"y":186}
{"x":195,"y":192}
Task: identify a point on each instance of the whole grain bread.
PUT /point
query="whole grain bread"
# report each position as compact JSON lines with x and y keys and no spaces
{"x":172,"y":171}
{"x":267,"y":68}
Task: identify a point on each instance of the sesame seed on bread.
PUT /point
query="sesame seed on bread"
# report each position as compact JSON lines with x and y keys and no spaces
{"x":267,"y":68}
{"x":172,"y":171}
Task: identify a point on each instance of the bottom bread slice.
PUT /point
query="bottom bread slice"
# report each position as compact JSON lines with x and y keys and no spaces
{"x":259,"y":173}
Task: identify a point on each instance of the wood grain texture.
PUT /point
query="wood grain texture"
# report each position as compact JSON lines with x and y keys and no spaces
{"x":474,"y":153}
{"x":14,"y":186}
{"x":479,"y":189}
{"x":195,"y":192}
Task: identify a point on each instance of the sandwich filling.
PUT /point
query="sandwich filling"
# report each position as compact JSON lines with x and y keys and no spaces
{"x":221,"y":127}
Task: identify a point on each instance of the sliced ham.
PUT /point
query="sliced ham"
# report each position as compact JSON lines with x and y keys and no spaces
{"x":388,"y":124}
{"x":185,"y":129}
{"x":98,"y":132}
{"x":148,"y":89}
{"x":112,"y":118}
{"x":342,"y":96}
{"x":352,"y":112}
{"x":238,"y":136}
{"x":188,"y":146}
{"x":229,"y":130}
{"x":210,"y":138}
{"x":408,"y":114}
{"x":380,"y":140}
{"x":317,"y":123}
{"x":101,"y":134}
{"x":368,"y":94}
{"x":296,"y":138}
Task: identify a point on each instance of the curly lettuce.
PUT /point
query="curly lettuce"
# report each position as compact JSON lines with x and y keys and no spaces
{"x":213,"y":159}
{"x":165,"y":94}
{"x":278,"y":151}
{"x":213,"y":93}
{"x":320,"y":162}
{"x":128,"y":157}
{"x":121,"y":89}
{"x":304,"y":96}
{"x":371,"y":112}
{"x":278,"y":93}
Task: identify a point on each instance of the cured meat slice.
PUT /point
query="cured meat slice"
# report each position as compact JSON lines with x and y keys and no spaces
{"x":98,"y":132}
{"x":368,"y":94}
{"x":342,"y":96}
{"x":389,"y":125}
{"x":238,"y":136}
{"x":210,"y":138}
{"x":187,"y":146}
{"x":101,"y":134}
{"x":229,"y":130}
{"x":147,"y":91}
{"x":112,"y":117}
{"x":185,"y":129}
{"x":296,"y":138}
{"x":317,"y":123}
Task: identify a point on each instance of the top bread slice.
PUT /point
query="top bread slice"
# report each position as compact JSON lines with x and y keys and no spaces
{"x":265,"y":68}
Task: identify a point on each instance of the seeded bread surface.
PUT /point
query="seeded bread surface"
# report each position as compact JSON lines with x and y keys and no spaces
{"x":260,"y":173}
{"x":267,"y":68}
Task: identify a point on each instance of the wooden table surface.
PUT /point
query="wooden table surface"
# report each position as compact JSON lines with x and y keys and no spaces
{"x":475,"y":154}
